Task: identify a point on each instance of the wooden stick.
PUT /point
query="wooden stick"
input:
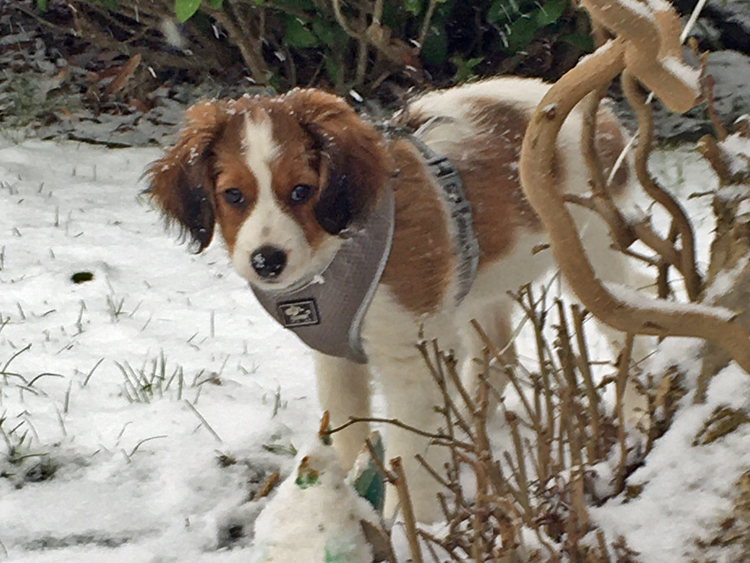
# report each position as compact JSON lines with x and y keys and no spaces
{"x":407,"y":510}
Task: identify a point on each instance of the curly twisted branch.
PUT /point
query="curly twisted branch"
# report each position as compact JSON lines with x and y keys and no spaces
{"x":644,"y":46}
{"x":686,"y":264}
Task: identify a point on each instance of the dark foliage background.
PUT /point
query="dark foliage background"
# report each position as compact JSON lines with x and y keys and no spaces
{"x":122,"y":71}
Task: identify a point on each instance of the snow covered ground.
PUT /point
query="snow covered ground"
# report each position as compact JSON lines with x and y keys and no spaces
{"x":93,"y":469}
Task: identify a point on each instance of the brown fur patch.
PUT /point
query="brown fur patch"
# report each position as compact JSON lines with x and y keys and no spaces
{"x":181,"y":182}
{"x":489,"y":168}
{"x":420,"y":265}
{"x":299,"y":164}
{"x":231,"y":172}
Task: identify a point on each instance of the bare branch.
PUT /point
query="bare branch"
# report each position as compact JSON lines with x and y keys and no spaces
{"x":536,"y":171}
{"x":637,"y":100}
{"x":407,"y":510}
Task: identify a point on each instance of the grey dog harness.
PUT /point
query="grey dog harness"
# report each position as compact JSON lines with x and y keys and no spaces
{"x":327,"y":312}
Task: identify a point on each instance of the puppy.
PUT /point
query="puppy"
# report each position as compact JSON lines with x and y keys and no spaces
{"x":294,"y":182}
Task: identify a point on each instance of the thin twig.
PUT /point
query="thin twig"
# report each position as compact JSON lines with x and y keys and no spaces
{"x":438,"y":438}
{"x":407,"y":510}
{"x":426,"y":23}
{"x":623,"y":370}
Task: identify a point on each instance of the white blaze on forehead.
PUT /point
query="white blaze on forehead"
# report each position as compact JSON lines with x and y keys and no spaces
{"x":260,"y":149}
{"x":267,"y":223}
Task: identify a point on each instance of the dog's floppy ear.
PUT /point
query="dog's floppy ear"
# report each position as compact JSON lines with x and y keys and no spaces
{"x":181,"y":182}
{"x":354,"y":163}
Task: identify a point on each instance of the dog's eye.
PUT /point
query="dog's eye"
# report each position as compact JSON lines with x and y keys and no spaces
{"x":300,"y":194}
{"x":233,"y":196}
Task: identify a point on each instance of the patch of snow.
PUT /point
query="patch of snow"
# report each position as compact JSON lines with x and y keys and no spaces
{"x":738,"y":149}
{"x":638,"y":8}
{"x":637,"y":299}
{"x":724,"y":281}
{"x":320,"y":514}
{"x":660,"y":6}
{"x":150,"y":480}
{"x":686,"y":488}
{"x":686,"y":74}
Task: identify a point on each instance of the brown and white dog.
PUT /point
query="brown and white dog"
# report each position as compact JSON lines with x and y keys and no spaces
{"x":284,"y":176}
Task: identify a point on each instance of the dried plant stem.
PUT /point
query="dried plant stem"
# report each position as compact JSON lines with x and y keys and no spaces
{"x":602,"y":200}
{"x":248,"y":49}
{"x":435,"y":369}
{"x":387,"y":475}
{"x":620,"y":385}
{"x":483,"y":458}
{"x":717,"y":158}
{"x":520,"y":474}
{"x":407,"y":510}
{"x":267,"y":486}
{"x":437,"y":541}
{"x":441,"y":438}
{"x":708,"y":93}
{"x":426,"y":22}
{"x":341,"y":19}
{"x":592,"y":396}
{"x":662,"y":279}
{"x":578,"y":523}
{"x":514,"y":380}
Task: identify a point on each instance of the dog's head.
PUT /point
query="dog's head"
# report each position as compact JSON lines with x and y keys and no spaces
{"x":283,"y":177}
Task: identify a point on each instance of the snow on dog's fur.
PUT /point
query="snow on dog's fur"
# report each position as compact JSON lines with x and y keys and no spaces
{"x":283,"y":177}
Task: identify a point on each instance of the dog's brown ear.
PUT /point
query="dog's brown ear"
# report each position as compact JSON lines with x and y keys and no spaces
{"x":181,"y":182}
{"x":354,"y":162}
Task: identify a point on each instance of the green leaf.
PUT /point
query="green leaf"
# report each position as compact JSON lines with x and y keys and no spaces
{"x":502,"y":11}
{"x":583,"y":42}
{"x":185,"y":9}
{"x":464,"y":68}
{"x":41,"y":4}
{"x":333,"y":69}
{"x":413,"y":6}
{"x":298,"y":36}
{"x":323,"y":32}
{"x":81,"y":277}
{"x":550,"y":12}
{"x":435,"y":47}
{"x":366,"y":478}
{"x":522,"y":31}
{"x":216,"y":3}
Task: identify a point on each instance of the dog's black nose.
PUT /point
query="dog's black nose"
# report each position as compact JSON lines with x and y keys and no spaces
{"x":268,"y":261}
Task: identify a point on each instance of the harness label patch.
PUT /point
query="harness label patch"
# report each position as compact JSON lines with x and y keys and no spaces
{"x":303,"y":312}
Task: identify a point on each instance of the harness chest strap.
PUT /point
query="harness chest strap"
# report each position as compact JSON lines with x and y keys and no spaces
{"x":327,"y":313}
{"x":459,"y":209}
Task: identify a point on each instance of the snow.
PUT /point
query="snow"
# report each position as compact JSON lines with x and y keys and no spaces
{"x":635,"y":298}
{"x":660,"y":6}
{"x":687,"y":487}
{"x":637,"y":8}
{"x":332,"y":513}
{"x":686,"y":74}
{"x":73,"y":208}
{"x":737,"y":149}
{"x":159,"y":480}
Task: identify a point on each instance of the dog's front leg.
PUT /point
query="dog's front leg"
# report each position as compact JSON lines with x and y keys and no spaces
{"x":412,"y":396}
{"x":344,"y":391}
